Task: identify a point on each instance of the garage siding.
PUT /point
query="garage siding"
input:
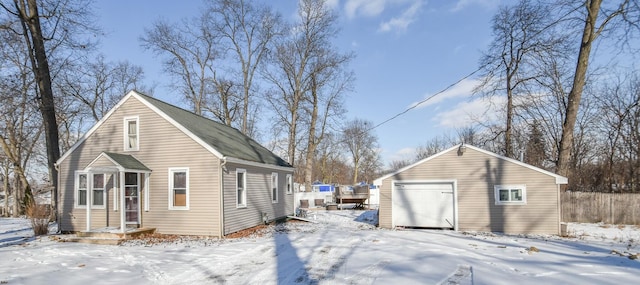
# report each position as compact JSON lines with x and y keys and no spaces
{"x":476,"y":174}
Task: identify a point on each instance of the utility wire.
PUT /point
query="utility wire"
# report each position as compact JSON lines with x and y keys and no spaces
{"x":550,"y":25}
{"x":426,"y":99}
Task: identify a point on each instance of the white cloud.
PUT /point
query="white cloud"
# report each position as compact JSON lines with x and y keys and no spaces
{"x":462,"y":4}
{"x":462,"y":89}
{"x":467,"y":113}
{"x":400,"y":24}
{"x":406,"y":153}
{"x":367,"y":8}
{"x":332,"y":3}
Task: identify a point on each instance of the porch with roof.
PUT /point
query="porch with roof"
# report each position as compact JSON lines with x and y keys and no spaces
{"x":129,"y":178}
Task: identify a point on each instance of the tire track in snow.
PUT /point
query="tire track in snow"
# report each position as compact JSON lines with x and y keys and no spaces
{"x":462,"y":275}
{"x":369,"y":274}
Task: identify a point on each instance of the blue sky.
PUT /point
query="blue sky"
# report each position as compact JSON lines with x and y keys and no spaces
{"x":406,"y":51}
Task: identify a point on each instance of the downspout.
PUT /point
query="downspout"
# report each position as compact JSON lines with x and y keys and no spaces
{"x":56,"y":212}
{"x":559,"y":199}
{"x":221,"y":214}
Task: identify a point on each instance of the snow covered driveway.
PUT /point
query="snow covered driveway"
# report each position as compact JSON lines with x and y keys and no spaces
{"x":342,"y":247}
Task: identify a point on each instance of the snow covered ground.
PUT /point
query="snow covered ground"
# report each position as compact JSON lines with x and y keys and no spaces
{"x":342,"y":247}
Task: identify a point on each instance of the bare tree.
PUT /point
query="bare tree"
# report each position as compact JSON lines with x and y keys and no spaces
{"x":98,"y":85}
{"x":362,"y":145}
{"x":310,"y":79}
{"x":397,"y":164}
{"x":329,"y":166}
{"x":433,"y":146}
{"x":623,"y":14}
{"x":619,"y":109}
{"x":286,"y":97}
{"x":28,"y":14}
{"x":520,"y":37}
{"x":246,"y":29}
{"x":20,"y":133}
{"x":48,"y":28}
{"x":328,"y":80}
{"x":189,"y":51}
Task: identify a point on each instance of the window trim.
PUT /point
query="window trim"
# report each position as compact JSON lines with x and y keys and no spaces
{"x":104,"y":191}
{"x":244,"y":190}
{"x":76,"y":189}
{"x":289,"y":185}
{"x":171,"y":171}
{"x":274,"y":188}
{"x":521,"y":187}
{"x":126,"y":133}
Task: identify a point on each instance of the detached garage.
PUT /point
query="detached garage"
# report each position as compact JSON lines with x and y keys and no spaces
{"x":470,"y":189}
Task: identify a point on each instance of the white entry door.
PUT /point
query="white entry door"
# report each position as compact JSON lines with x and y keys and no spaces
{"x":425,"y":205}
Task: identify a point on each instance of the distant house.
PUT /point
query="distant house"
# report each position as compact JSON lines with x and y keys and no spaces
{"x":151,"y":164}
{"x":471,"y":189}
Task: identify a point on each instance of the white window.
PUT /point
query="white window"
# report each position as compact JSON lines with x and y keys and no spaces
{"x":510,"y":194}
{"x":241,"y":188}
{"x":81,"y":183}
{"x":98,"y":191}
{"x":289,"y":184}
{"x":178,"y":188}
{"x":131,"y":133}
{"x":274,"y":187}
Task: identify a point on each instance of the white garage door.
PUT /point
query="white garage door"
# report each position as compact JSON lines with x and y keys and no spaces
{"x":428,"y":205}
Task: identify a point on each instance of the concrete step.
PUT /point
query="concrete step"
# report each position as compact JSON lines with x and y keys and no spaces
{"x":92,"y":240}
{"x":107,"y":238}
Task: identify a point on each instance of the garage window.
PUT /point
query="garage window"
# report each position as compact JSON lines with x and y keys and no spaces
{"x":510,"y":194}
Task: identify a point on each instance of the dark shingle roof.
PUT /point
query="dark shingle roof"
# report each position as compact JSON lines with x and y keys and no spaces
{"x":227,"y":140}
{"x":126,"y":161}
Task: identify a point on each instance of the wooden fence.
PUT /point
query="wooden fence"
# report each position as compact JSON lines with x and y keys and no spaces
{"x":595,"y":207}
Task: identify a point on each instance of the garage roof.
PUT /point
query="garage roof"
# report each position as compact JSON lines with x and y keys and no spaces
{"x":559,"y":179}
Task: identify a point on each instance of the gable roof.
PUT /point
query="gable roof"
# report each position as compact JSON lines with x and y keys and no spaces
{"x":221,"y":140}
{"x":123,"y":162}
{"x":559,"y":179}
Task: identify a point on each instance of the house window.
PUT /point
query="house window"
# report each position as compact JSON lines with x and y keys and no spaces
{"x":289,"y":184}
{"x":274,"y":187}
{"x":98,"y":194}
{"x":131,"y":133}
{"x":81,"y":189}
{"x":178,"y":188}
{"x":241,"y":188}
{"x":510,"y":194}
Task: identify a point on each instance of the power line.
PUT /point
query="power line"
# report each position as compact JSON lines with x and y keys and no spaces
{"x":427,"y":99}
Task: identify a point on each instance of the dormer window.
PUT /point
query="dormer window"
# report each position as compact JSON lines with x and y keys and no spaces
{"x":131,"y":133}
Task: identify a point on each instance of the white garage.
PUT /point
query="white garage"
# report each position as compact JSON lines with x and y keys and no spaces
{"x":464,"y":188}
{"x":424,"y":204}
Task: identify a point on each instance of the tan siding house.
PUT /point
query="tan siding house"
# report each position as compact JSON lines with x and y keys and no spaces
{"x":470,"y":189}
{"x":150,"y":164}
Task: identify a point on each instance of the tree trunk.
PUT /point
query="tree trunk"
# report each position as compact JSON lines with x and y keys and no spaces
{"x":16,"y":198}
{"x":6,"y":190}
{"x":508,"y":147}
{"x":30,"y":20}
{"x":356,"y":169}
{"x":573,"y":100}
{"x":312,"y":143}
{"x":291,"y":148}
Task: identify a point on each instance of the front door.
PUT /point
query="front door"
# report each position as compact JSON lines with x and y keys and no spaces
{"x":132,"y":198}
